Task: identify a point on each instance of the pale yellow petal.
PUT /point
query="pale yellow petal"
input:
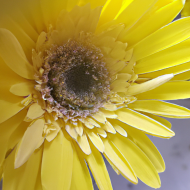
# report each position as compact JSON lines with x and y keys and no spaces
{"x":99,"y":117}
{"x":71,"y":130}
{"x":57,"y":163}
{"x":160,"y":108}
{"x":7,"y":128}
{"x":138,"y":161}
{"x":14,"y":56}
{"x":29,"y":142}
{"x":149,"y":85}
{"x":81,"y":178}
{"x":143,"y":123}
{"x":22,"y":89}
{"x":168,"y":91}
{"x":98,"y":169}
{"x":140,"y":7}
{"x":23,"y":177}
{"x":35,"y":111}
{"x":84,"y":144}
{"x":119,"y":161}
{"x":119,"y":129}
{"x":169,"y":57}
{"x":108,"y":127}
{"x":167,"y":36}
{"x":10,"y":106}
{"x":145,"y":144}
{"x":152,"y":17}
{"x":96,"y":140}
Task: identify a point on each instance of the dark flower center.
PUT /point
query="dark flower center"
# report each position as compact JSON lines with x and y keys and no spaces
{"x":77,"y":77}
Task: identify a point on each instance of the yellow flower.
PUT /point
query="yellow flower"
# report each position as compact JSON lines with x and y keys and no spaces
{"x":81,"y":78}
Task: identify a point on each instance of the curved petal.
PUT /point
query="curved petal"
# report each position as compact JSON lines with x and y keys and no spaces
{"x":138,"y":160}
{"x":14,"y":56}
{"x":24,"y":177}
{"x":169,"y":91}
{"x":29,"y":142}
{"x":98,"y":169}
{"x":167,"y":36}
{"x":160,"y":108}
{"x":143,"y":123}
{"x":81,"y":178}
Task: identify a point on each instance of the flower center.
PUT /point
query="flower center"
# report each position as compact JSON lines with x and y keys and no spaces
{"x":77,"y":78}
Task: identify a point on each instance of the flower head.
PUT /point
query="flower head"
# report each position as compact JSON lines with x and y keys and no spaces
{"x":81,"y":78}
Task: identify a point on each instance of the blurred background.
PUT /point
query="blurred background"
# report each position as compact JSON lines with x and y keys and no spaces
{"x":176,"y":153}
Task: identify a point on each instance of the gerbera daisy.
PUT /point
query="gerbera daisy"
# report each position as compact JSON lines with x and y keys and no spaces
{"x":86,"y":79}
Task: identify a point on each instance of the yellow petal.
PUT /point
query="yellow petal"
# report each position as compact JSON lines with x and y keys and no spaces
{"x":84,"y":144}
{"x":119,"y":161}
{"x":149,"y":85}
{"x":110,"y":10}
{"x":159,"y":119}
{"x":81,"y":178}
{"x":143,"y":122}
{"x":119,"y":129}
{"x":24,"y":177}
{"x":99,"y":117}
{"x":35,"y":111}
{"x":98,"y":169}
{"x":57,"y":163}
{"x":108,"y":127}
{"x":143,"y":167}
{"x":175,"y":70}
{"x":160,"y":108}
{"x":29,"y":142}
{"x":152,"y":17}
{"x":145,"y":144}
{"x":167,"y":36}
{"x":169,"y":57}
{"x":7,"y":128}
{"x":168,"y":91}
{"x":140,"y":8}
{"x":10,"y":106}
{"x":71,"y":130}
{"x":22,"y":89}
{"x":96,"y":140}
{"x":51,"y":10}
{"x":14,"y":56}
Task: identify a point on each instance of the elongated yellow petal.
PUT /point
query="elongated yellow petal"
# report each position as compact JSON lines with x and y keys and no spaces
{"x":145,"y":144}
{"x":6,"y":130}
{"x":143,"y":122}
{"x":139,"y":7}
{"x":159,"y":119}
{"x":29,"y":142}
{"x":175,"y":70}
{"x":160,"y":108}
{"x":84,"y":144}
{"x":168,"y":91}
{"x":165,"y":37}
{"x":25,"y":176}
{"x":169,"y":57}
{"x":138,"y":160}
{"x":13,"y":55}
{"x":152,"y":17}
{"x":119,"y":161}
{"x":149,"y":85}
{"x":81,"y":178}
{"x":98,"y":169}
{"x":57,"y":163}
{"x":96,"y":140}
{"x":110,"y":10}
{"x":119,"y":129}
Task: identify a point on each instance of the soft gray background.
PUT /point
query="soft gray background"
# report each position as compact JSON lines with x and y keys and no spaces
{"x":176,"y":153}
